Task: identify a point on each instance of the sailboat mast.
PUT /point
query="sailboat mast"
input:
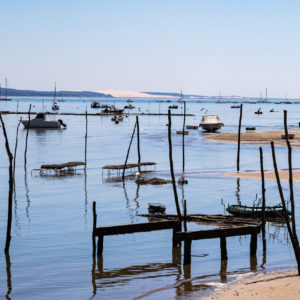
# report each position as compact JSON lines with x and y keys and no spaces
{"x":54,"y":92}
{"x":0,"y":90}
{"x":6,"y":88}
{"x":266,"y":94}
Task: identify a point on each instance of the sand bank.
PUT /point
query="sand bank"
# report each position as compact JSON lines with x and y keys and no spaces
{"x":256,"y":137}
{"x":279,"y":286}
{"x":269,"y":175}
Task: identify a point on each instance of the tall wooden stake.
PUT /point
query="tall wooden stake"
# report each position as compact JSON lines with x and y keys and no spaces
{"x":184,"y":223}
{"x":127,"y":155}
{"x":11,"y":187}
{"x":15,"y":154}
{"x":138,"y":142}
{"x":263,"y":190}
{"x":171,"y":166}
{"x":26,"y":140}
{"x":94,"y":228}
{"x":86,"y":133}
{"x":183,"y":154}
{"x":287,"y":221}
{"x":239,"y":139}
{"x":290,"y":176}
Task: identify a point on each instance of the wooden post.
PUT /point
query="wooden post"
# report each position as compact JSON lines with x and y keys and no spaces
{"x":183,"y":154}
{"x":223,"y":248}
{"x":287,"y":219}
{"x":138,"y":142}
{"x":176,"y":229}
{"x":123,"y":174}
{"x":184,"y":221}
{"x":253,"y":244}
{"x":26,"y":140}
{"x":187,"y":251}
{"x":263,"y":190}
{"x":100,"y":246}
{"x":94,"y":228}
{"x":85,"y":140}
{"x":239,"y":138}
{"x":290,"y":179}
{"x":171,"y":166}
{"x":11,"y":187}
{"x":15,"y":154}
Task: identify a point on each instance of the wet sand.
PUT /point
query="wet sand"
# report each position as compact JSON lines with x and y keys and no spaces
{"x":269,"y":175}
{"x":278,"y":286}
{"x":255,"y":137}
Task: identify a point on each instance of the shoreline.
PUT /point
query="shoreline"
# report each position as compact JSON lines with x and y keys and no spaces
{"x":279,"y":286}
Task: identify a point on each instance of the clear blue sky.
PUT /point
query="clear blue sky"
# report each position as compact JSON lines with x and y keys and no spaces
{"x":205,"y":47}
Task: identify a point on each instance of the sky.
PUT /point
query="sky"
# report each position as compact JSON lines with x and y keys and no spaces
{"x":232,"y":47}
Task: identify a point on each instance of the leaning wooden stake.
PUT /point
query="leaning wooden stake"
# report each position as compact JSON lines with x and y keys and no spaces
{"x":26,"y":140}
{"x":263,"y":190}
{"x":15,"y":152}
{"x":94,"y":228}
{"x":138,"y":142}
{"x":183,"y":154}
{"x":85,"y":139}
{"x":171,"y":166}
{"x":239,"y":139}
{"x":123,"y":174}
{"x":11,"y":187}
{"x":287,"y":220}
{"x":290,"y":177}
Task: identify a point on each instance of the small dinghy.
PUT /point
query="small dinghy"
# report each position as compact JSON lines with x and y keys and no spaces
{"x":156,"y":208}
{"x":256,"y":211}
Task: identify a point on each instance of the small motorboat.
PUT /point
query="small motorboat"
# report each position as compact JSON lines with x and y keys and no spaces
{"x":95,"y":104}
{"x":235,"y":106}
{"x":185,"y":132}
{"x":129,"y":106}
{"x":258,"y":112}
{"x":256,"y":211}
{"x":55,"y":106}
{"x":173,"y":106}
{"x":211,"y":123}
{"x":129,"y":100}
{"x":40,"y":121}
{"x":156,"y":208}
{"x":112,"y":110}
{"x":250,"y":128}
{"x":272,"y":110}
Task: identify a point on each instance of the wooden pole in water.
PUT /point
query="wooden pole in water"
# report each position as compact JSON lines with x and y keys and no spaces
{"x":85,"y":140}
{"x":183,"y":154}
{"x":94,"y":228}
{"x":26,"y":140}
{"x":184,"y":223}
{"x":123,"y":174}
{"x":239,"y":138}
{"x":171,"y":166}
{"x":263,"y":190}
{"x":15,"y":152}
{"x":11,"y":187}
{"x":290,"y":177}
{"x":138,"y":143}
{"x":287,"y":220}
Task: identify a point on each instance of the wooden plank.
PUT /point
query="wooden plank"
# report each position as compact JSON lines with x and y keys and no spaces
{"x":140,"y":227}
{"x":217,"y":233}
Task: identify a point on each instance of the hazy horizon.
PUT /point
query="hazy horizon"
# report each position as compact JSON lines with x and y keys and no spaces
{"x":200,"y":47}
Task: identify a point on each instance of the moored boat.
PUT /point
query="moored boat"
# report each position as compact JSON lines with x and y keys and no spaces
{"x":95,"y":104}
{"x":256,"y":211}
{"x":211,"y":123}
{"x":40,"y":121}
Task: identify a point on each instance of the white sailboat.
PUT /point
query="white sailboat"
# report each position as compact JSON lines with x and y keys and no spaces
{"x":55,"y":106}
{"x":180,"y":100}
{"x":4,"y":98}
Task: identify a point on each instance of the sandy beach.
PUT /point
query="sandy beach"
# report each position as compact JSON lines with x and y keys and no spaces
{"x":256,"y":137}
{"x":269,"y":175}
{"x":277,"y":286}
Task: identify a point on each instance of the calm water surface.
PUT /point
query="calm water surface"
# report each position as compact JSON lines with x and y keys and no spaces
{"x":51,"y":249}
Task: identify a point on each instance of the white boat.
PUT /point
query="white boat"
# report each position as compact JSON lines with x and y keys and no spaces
{"x":180,"y":100}
{"x":55,"y":106}
{"x":211,"y":123}
{"x":41,"y":121}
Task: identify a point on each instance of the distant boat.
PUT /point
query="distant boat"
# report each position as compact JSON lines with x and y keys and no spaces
{"x":258,"y":112}
{"x":129,"y":100}
{"x":211,"y":123}
{"x":173,"y":106}
{"x":129,"y":106}
{"x":4,"y":98}
{"x":95,"y":104}
{"x":256,"y":211}
{"x":235,"y":106}
{"x":40,"y":121}
{"x":55,"y":106}
{"x":180,"y":100}
{"x":192,"y":126}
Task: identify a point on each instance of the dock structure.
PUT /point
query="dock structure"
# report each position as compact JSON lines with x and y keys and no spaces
{"x":132,"y":166}
{"x":222,"y":233}
{"x":100,"y":232}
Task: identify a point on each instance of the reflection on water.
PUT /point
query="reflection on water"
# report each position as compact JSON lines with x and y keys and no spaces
{"x":85,"y":196}
{"x":131,"y":211}
{"x":237,"y":192}
{"x":27,"y":196}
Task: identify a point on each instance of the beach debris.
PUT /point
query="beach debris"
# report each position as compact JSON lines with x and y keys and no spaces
{"x":154,"y":208}
{"x":192,"y":126}
{"x":182,"y":181}
{"x":250,"y":128}
{"x":185,"y":132}
{"x":290,"y":136}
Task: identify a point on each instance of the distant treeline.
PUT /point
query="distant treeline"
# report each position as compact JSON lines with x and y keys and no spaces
{"x":32,"y":93}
